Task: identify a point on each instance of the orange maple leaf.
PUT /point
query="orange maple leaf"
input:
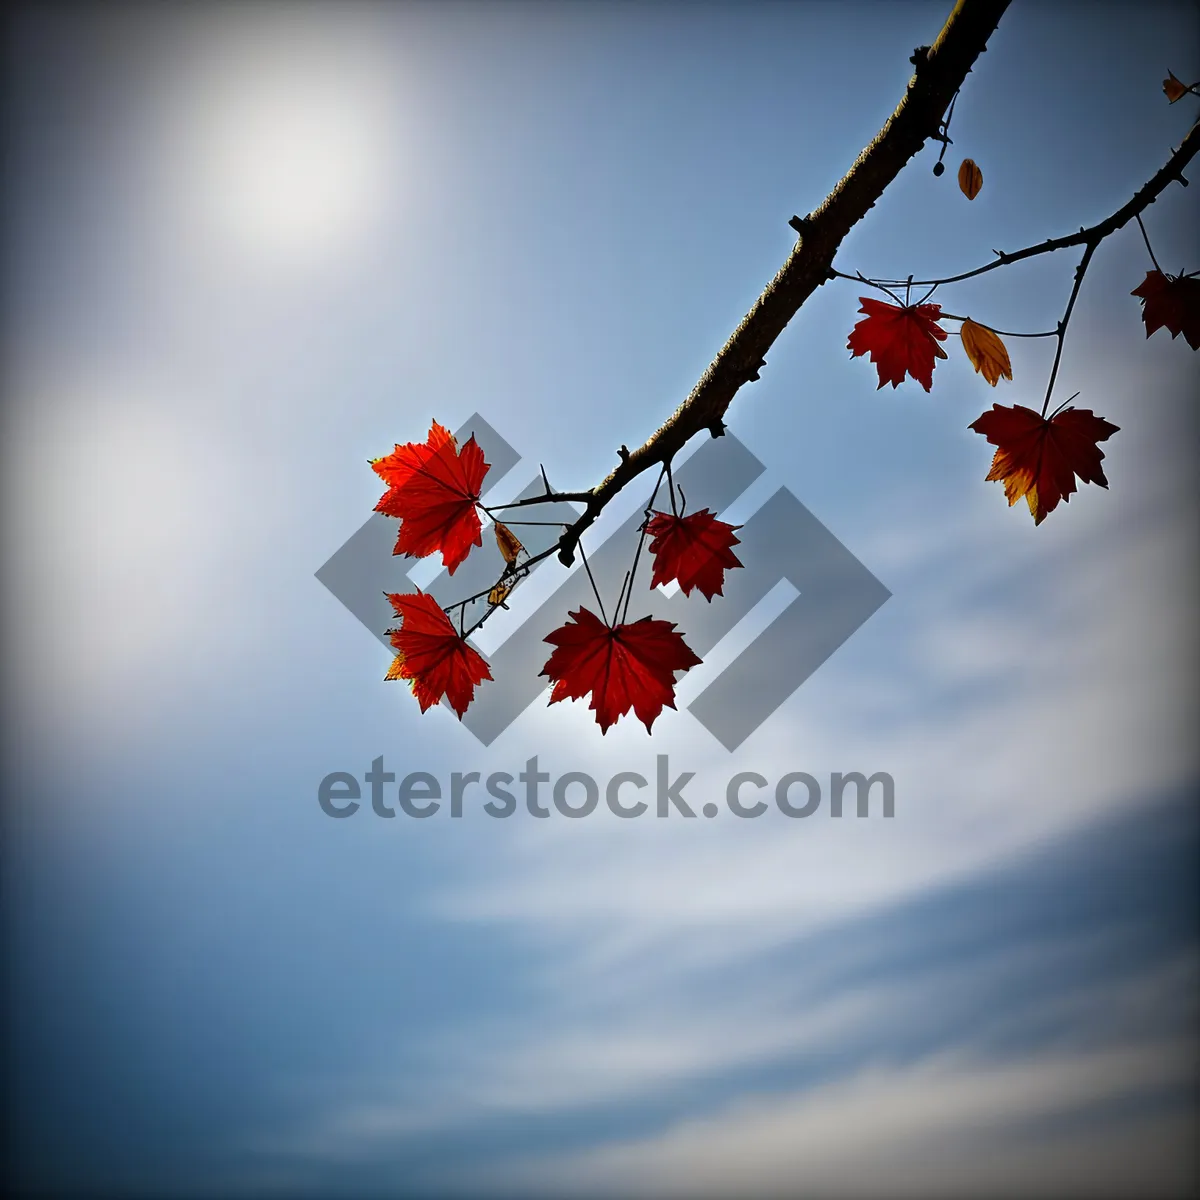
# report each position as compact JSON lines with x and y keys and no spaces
{"x":432,"y":655}
{"x":1173,"y":88}
{"x":970,"y":178}
{"x":900,"y":339}
{"x":1171,"y":302}
{"x":694,"y":550}
{"x":433,"y":488}
{"x":622,"y":666}
{"x":501,"y":592}
{"x":1039,"y":457}
{"x":987,"y":352}
{"x":508,"y":542}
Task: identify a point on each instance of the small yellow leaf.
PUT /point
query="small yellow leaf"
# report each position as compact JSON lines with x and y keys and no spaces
{"x":394,"y":669}
{"x":1173,"y":88}
{"x":970,"y":178}
{"x":510,"y":547}
{"x":499,"y":594}
{"x":986,"y":351}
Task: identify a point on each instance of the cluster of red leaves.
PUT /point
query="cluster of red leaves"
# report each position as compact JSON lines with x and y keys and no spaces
{"x":1171,"y":302}
{"x":695,"y":551}
{"x":633,"y":665}
{"x":433,"y":488}
{"x":432,"y":656}
{"x":903,"y":339}
{"x":1039,"y":457}
{"x":622,"y":666}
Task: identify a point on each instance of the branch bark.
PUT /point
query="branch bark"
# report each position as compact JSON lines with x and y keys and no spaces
{"x":940,"y":71}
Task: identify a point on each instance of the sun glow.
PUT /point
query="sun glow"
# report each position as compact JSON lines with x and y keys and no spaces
{"x":291,"y":144}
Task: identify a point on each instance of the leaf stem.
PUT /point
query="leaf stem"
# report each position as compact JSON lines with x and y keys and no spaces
{"x":666,"y":470}
{"x":1002,"y":332}
{"x":1146,"y":239}
{"x":592,"y":581}
{"x":621,"y":594}
{"x":1062,"y":406}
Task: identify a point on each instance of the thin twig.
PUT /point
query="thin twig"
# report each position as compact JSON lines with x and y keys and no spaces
{"x":520,"y":574}
{"x":560,"y":524}
{"x":1080,"y":271}
{"x":1171,"y":171}
{"x":549,"y":498}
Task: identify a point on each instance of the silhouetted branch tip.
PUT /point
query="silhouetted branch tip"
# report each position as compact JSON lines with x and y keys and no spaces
{"x":942,"y":68}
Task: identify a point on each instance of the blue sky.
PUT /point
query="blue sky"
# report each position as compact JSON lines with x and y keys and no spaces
{"x":249,"y":248}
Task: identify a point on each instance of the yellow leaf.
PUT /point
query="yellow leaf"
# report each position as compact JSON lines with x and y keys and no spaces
{"x":986,"y":351}
{"x":394,"y":669}
{"x":499,"y":594}
{"x":970,"y":178}
{"x":1173,"y":88}
{"x":510,"y":547}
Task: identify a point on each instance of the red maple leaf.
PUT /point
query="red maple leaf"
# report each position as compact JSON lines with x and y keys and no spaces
{"x":1171,"y":302}
{"x":900,"y":339}
{"x":695,"y":550}
{"x":432,"y":655}
{"x":433,"y":488}
{"x":623,"y":666}
{"x":1038,"y":458}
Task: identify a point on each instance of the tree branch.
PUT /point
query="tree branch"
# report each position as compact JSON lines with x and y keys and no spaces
{"x":1171,"y":171}
{"x":940,"y":71}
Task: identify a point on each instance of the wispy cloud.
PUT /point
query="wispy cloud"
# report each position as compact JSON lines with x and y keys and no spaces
{"x":945,"y":1127}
